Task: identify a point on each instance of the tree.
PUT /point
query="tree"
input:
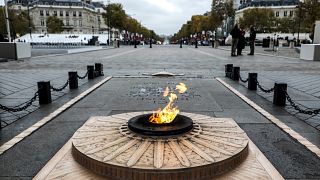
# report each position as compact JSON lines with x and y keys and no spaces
{"x":286,"y":25}
{"x":115,"y":16}
{"x":19,"y":22}
{"x":262,"y":18}
{"x":307,"y":13}
{"x":54,"y":24}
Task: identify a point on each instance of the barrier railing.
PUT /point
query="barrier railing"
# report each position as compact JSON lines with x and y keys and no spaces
{"x":44,"y":89}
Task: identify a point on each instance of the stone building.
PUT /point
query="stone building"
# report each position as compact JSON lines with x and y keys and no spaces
{"x":79,"y":17}
{"x":283,"y":8}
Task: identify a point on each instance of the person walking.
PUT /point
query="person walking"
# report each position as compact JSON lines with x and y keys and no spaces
{"x":235,"y":33}
{"x":252,"y":39}
{"x":241,"y":43}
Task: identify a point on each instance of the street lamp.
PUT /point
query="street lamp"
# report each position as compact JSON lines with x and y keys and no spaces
{"x":300,"y":9}
{"x":7,"y":20}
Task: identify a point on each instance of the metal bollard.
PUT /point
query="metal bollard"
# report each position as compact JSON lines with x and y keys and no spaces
{"x":98,"y":67}
{"x":235,"y":73}
{"x":73,"y":79}
{"x":228,"y":69}
{"x":44,"y":91}
{"x":196,"y":44}
{"x":150,"y":42}
{"x":181,"y":44}
{"x":252,"y":81}
{"x":279,"y":96}
{"x":135,"y":44}
{"x":90,"y":70}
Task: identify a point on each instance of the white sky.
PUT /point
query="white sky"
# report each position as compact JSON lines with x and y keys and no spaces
{"x":163,"y":16}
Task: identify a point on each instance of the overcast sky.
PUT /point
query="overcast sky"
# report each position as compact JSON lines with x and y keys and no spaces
{"x":163,"y":16}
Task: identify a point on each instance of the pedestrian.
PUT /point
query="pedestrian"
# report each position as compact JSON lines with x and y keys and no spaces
{"x":241,"y":43}
{"x":252,"y":39}
{"x":235,"y":33}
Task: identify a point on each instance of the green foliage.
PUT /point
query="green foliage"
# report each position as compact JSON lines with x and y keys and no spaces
{"x":286,"y":25}
{"x":115,"y":16}
{"x":54,"y":24}
{"x":19,"y":23}
{"x":307,"y":13}
{"x":262,"y":18}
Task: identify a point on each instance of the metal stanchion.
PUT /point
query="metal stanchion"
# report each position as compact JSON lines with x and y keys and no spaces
{"x":279,"y":96}
{"x":252,"y":81}
{"x":98,"y":67}
{"x":44,"y":91}
{"x":228,"y":69}
{"x":73,"y":79}
{"x":235,"y":73}
{"x":90,"y":72}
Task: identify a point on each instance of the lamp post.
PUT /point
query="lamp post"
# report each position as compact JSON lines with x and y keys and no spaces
{"x":7,"y":20}
{"x":108,"y":19}
{"x":29,"y":19}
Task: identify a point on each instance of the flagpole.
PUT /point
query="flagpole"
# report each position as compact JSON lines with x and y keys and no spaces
{"x":7,"y":20}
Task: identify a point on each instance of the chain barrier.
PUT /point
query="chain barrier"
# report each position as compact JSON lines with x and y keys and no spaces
{"x":262,"y":89}
{"x":82,"y":77}
{"x":18,"y":108}
{"x":296,"y":107}
{"x":242,"y":80}
{"x":61,"y":88}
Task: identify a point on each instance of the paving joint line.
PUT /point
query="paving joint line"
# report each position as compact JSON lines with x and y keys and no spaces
{"x":9,"y":144}
{"x":310,"y":146}
{"x":262,"y":54}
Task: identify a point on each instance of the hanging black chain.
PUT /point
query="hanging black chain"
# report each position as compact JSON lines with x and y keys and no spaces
{"x":82,"y":77}
{"x":263,"y":89}
{"x":61,"y":88}
{"x":242,"y":80}
{"x":296,"y":107}
{"x":19,"y":108}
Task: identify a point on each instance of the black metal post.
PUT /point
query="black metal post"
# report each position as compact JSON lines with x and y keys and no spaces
{"x":90,"y":70}
{"x":135,"y":43}
{"x":196,"y":43}
{"x":73,"y":79}
{"x":150,"y":42}
{"x":279,"y":96}
{"x":235,"y":73}
{"x":252,"y":81}
{"x":181,"y":41}
{"x":228,"y":69}
{"x":44,"y":91}
{"x":99,"y":69}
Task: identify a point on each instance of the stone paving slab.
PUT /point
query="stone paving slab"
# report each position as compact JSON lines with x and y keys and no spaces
{"x":200,"y":64}
{"x":53,"y":135}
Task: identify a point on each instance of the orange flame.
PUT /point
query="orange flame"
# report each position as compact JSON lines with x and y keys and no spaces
{"x":169,"y":112}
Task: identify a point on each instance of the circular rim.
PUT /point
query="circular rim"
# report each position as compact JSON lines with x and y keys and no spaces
{"x":121,"y":166}
{"x":140,"y":125}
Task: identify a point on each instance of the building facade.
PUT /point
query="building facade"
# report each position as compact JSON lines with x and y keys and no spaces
{"x":78,"y":17}
{"x":281,"y":9}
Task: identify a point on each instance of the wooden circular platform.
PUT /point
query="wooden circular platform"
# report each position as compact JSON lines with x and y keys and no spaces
{"x":105,"y":146}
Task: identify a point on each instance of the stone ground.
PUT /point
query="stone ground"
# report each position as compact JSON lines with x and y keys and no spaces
{"x":129,"y":90}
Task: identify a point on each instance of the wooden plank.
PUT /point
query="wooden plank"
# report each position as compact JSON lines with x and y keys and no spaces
{"x":139,"y":152}
{"x":197,"y":150}
{"x":220,"y":141}
{"x":199,"y":141}
{"x":120,"y":150}
{"x":118,"y":141}
{"x":179,"y":153}
{"x":158,"y":154}
{"x":222,"y":135}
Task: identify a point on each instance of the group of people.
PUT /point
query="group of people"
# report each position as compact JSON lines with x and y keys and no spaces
{"x":239,"y":40}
